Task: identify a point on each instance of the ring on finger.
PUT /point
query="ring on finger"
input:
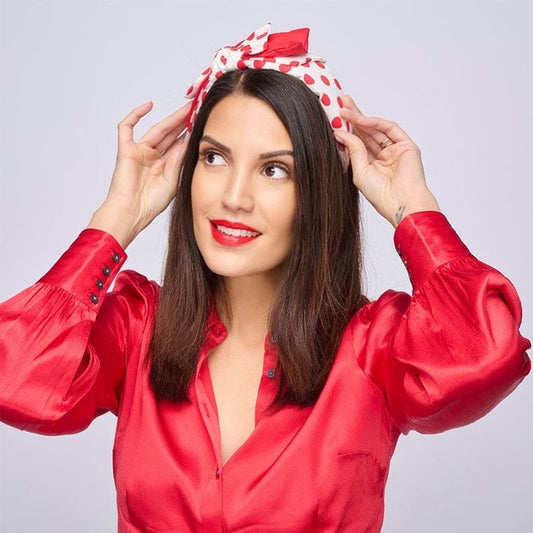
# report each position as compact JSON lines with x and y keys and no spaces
{"x":386,"y":142}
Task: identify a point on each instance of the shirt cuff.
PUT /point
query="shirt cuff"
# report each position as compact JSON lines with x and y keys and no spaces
{"x":88,"y":267}
{"x":425,"y":241}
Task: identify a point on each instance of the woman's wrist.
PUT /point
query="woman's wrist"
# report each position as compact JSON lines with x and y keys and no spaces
{"x":122,"y":224}
{"x":414,"y":204}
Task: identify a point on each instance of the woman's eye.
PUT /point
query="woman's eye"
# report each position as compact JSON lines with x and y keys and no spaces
{"x":276,"y":171}
{"x":213,"y":159}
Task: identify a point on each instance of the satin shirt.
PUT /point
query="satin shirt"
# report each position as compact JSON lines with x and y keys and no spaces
{"x":443,"y":357}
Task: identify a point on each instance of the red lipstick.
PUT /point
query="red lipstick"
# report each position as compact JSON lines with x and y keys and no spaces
{"x":229,"y":233}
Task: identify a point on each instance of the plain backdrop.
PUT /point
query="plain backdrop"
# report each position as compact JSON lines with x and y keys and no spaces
{"x":458,"y":78}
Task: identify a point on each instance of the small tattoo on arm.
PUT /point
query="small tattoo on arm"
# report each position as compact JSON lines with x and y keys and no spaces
{"x":399,"y":214}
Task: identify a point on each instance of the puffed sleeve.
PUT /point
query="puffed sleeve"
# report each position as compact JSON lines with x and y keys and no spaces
{"x":64,"y":341}
{"x":446,"y":355}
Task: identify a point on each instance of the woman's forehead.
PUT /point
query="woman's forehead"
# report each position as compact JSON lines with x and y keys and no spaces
{"x":246,"y":121}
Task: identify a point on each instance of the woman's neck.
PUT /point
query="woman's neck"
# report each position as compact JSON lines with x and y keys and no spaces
{"x":248,"y":304}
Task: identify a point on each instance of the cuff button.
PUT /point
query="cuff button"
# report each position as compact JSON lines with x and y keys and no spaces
{"x":107,"y":271}
{"x":116,"y":258}
{"x":100,"y":284}
{"x":94,"y":298}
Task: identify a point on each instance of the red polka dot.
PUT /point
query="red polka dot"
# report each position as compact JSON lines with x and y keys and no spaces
{"x":241,"y":65}
{"x":246,"y":49}
{"x":204,"y":96}
{"x":325,"y":80}
{"x":259,"y":63}
{"x":325,"y":99}
{"x":336,"y":123}
{"x":320,"y":64}
{"x":338,"y":84}
{"x":284,"y":68}
{"x":264,"y":34}
{"x":270,"y":60}
{"x":206,"y":71}
{"x":189,"y":90}
{"x":218,"y":74}
{"x":294,"y":63}
{"x":223,"y":60}
{"x":340,"y":102}
{"x":308,"y":79}
{"x":251,"y":36}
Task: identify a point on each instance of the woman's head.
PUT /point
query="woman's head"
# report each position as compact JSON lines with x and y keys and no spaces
{"x":320,"y":286}
{"x":243,"y":193}
{"x":321,"y":185}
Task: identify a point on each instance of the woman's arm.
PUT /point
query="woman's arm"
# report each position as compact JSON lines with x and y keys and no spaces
{"x":64,"y":341}
{"x":449,"y":353}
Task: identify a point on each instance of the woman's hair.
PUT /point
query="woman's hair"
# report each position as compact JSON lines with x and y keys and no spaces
{"x":321,"y":285}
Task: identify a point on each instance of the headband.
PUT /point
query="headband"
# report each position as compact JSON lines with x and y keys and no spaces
{"x":285,"y":52}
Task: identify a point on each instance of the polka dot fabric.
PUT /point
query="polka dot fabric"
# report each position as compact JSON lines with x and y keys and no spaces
{"x":285,"y":52}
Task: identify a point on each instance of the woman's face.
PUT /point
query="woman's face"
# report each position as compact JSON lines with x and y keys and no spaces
{"x":243,"y":190}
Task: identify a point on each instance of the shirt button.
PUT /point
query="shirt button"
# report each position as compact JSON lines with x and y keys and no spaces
{"x":116,"y":258}
{"x":271,"y":372}
{"x":217,"y":474}
{"x":100,"y":284}
{"x":106,"y":271}
{"x":94,"y":298}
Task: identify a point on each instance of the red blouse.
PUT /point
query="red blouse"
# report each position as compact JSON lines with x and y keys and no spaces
{"x":439,"y":359}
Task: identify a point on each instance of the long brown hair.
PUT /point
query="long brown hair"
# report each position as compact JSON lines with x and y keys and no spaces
{"x":321,"y":285}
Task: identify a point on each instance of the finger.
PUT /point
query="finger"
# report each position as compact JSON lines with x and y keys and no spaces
{"x":170,"y":138}
{"x":351,"y":113}
{"x":356,"y":118}
{"x":163,"y":128}
{"x":176,"y":150}
{"x":367,"y":137}
{"x":372,"y":145}
{"x":126,"y":125}
{"x":350,"y":104}
{"x":385,"y":128}
{"x":356,"y":149}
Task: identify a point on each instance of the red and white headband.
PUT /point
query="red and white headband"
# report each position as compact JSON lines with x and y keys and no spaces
{"x":285,"y":52}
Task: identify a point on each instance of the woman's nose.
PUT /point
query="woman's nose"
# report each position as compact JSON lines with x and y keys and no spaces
{"x":238,"y":192}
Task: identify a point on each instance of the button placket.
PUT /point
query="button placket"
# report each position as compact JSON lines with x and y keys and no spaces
{"x":99,"y":283}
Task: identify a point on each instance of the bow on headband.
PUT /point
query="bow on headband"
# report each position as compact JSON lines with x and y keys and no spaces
{"x":285,"y":52}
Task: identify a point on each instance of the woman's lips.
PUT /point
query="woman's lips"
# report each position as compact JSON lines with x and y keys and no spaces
{"x":232,"y":233}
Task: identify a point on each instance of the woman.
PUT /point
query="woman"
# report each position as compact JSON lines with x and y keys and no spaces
{"x":258,"y":390}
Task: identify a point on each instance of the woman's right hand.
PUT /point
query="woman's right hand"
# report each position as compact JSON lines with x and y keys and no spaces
{"x":146,"y":174}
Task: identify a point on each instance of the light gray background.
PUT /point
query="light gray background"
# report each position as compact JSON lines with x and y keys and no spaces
{"x":456,"y":75}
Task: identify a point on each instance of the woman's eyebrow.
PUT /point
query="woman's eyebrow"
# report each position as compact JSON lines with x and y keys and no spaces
{"x":220,"y":146}
{"x":264,"y":155}
{"x":276,"y":153}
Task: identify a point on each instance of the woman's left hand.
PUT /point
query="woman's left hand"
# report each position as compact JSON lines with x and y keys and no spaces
{"x":386,"y":164}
